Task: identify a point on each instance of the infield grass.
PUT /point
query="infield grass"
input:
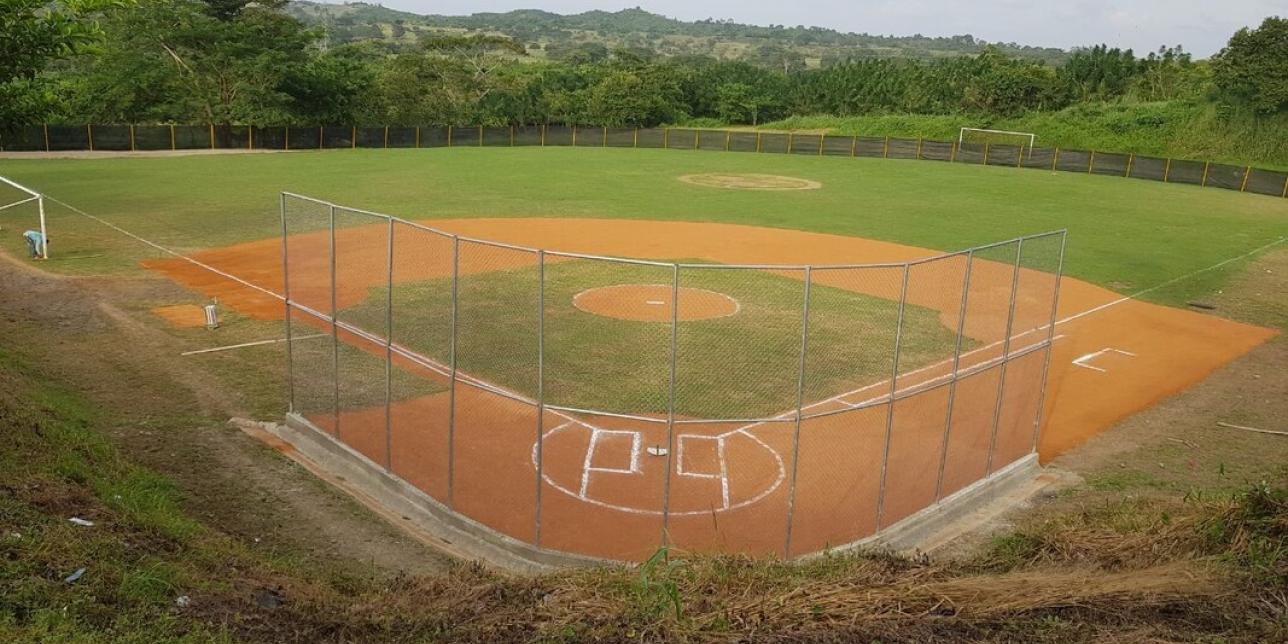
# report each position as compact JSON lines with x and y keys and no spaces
{"x":1124,"y":234}
{"x":741,"y":366}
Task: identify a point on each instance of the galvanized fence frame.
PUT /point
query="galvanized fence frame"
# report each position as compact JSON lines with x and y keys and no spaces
{"x":456,"y":378}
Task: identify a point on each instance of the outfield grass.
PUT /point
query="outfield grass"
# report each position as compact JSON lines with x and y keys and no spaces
{"x":740,"y":366}
{"x":1124,"y":234}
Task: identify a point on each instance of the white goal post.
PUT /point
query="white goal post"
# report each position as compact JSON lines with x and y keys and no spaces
{"x":961,"y":136}
{"x":30,"y":196}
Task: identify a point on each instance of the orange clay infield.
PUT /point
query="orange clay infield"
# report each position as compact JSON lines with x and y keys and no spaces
{"x":602,"y":492}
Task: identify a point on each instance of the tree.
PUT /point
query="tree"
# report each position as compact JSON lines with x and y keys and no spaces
{"x":1252,"y":71}
{"x":188,"y":61}
{"x":34,"y":34}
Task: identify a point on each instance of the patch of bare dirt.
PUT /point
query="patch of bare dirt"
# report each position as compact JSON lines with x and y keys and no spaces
{"x":742,"y":181}
{"x":170,"y":414}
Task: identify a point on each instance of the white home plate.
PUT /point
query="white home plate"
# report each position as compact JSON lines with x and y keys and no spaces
{"x":655,"y":302}
{"x":657,"y":451}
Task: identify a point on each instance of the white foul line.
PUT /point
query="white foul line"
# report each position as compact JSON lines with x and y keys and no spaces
{"x":252,"y":344}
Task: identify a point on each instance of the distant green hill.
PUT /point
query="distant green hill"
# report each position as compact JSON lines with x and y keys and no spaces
{"x":554,"y":36}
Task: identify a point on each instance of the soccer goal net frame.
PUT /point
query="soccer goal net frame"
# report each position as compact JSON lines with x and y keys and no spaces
{"x":961,"y":135}
{"x":27,"y":196}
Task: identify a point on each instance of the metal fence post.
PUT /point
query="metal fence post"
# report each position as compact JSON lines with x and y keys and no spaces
{"x":389,"y":353}
{"x":670,"y":406}
{"x":952,"y":385}
{"x":800,"y":402}
{"x":894,"y":383}
{"x":1006,"y":356}
{"x":541,"y":382}
{"x":1046,"y":362}
{"x":451,"y":388}
{"x":286,"y":301}
{"x":335,"y":335}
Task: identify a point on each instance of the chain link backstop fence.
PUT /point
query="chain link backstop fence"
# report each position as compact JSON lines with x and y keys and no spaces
{"x":606,"y":407}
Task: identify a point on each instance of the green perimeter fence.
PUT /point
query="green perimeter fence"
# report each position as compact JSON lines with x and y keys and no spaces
{"x":127,"y":138}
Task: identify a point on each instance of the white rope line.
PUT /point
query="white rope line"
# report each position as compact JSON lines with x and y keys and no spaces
{"x":1170,"y":282}
{"x":19,"y":203}
{"x":257,"y":343}
{"x":167,"y":251}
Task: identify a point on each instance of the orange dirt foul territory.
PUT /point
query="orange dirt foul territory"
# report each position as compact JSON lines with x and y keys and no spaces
{"x":652,"y":303}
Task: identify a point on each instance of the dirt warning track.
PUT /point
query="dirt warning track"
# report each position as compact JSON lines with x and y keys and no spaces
{"x":603,"y":489}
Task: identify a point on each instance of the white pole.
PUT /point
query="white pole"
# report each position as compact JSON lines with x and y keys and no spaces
{"x":44,"y":235}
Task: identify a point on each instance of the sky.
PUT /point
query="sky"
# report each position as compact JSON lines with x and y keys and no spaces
{"x":1202,"y":26}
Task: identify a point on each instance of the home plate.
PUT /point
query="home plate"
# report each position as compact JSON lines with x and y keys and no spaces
{"x":657,"y":450}
{"x":655,"y":302}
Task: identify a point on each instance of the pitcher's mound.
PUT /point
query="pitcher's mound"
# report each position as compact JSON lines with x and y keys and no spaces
{"x":741,"y":181}
{"x":652,"y":303}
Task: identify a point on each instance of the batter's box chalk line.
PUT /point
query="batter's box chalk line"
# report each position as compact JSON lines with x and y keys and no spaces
{"x":581,"y":488}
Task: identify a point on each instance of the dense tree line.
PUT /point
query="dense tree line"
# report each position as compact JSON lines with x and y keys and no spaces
{"x":238,"y":61}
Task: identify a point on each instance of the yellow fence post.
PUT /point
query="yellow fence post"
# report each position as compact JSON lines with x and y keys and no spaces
{"x":1019,"y":161}
{"x":250,"y":137}
{"x":286,"y":139}
{"x":605,"y":144}
{"x":758,"y":142}
{"x":1091,"y":161}
{"x":46,"y":137}
{"x":1207,"y":165}
{"x":697,"y":139}
{"x":1055,"y":160}
{"x":321,"y":136}
{"x":885,"y":149}
{"x":987,"y":147}
{"x":386,"y":137}
{"x":919,"y":143}
{"x":791,"y":141}
{"x":1167,"y":170}
{"x":543,"y":135}
{"x":212,"y":136}
{"x":1131,"y":158}
{"x":172,"y":141}
{"x":635,"y":141}
{"x":574,"y":136}
{"x":952,"y":152}
{"x":132,"y":138}
{"x":353,"y":137}
{"x":90,"y":130}
{"x":417,"y":137}
{"x":854,"y":146}
{"x":728,"y":139}
{"x":666,"y":137}
{"x":480,"y":136}
{"x":1285,"y":195}
{"x":820,"y":145}
{"x":1246,"y":172}
{"x":449,"y":136}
